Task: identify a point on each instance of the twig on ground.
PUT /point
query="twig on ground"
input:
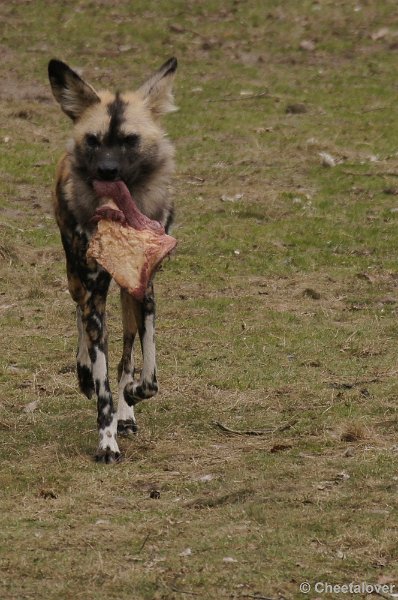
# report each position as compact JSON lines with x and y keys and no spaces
{"x":231,"y":498}
{"x":143,"y":543}
{"x":179,"y":591}
{"x":244,"y":97}
{"x":179,"y":29}
{"x":348,"y":385}
{"x":255,"y":431}
{"x":383,"y":174}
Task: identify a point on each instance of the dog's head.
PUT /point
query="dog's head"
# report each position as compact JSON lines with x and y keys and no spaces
{"x":116,"y":136}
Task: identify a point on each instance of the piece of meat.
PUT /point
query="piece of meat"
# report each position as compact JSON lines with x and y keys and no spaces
{"x":119,"y":193}
{"x":127,"y":244}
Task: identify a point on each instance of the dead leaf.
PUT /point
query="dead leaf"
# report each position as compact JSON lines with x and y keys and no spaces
{"x":348,"y":453}
{"x":311,"y":293}
{"x":176,"y":28}
{"x":280,"y":447}
{"x":343,"y":476}
{"x":48,"y":494}
{"x":365,"y":276}
{"x":353,"y":432}
{"x":380,"y":34}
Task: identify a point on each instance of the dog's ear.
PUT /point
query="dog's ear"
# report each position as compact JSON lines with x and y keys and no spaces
{"x":157,"y":91}
{"x":73,"y":94}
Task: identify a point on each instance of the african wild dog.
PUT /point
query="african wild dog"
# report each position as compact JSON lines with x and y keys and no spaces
{"x":115,"y":137}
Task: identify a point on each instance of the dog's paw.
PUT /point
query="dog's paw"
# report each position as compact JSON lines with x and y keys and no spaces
{"x":108,"y":450}
{"x":127,"y":428}
{"x":136,"y":392}
{"x":107,"y":456}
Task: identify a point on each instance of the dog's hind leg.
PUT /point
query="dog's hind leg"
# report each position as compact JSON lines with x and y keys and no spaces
{"x":126,"y":423}
{"x":147,"y":386}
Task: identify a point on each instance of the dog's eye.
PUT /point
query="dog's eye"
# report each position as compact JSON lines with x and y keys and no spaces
{"x":92,"y":140}
{"x":130,"y":140}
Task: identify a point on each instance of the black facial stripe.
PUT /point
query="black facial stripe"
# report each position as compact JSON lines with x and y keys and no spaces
{"x":116,"y":112}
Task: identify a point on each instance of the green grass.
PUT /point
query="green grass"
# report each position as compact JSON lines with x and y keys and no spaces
{"x":277,"y":313}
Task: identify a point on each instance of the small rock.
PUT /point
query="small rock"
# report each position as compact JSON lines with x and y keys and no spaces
{"x":327,"y":160}
{"x":296,"y":108}
{"x":31,"y":407}
{"x":310,"y":293}
{"x":102,"y":522}
{"x":206,"y":478}
{"x":186,"y":552}
{"x":307,"y":45}
{"x":380,"y":34}
{"x":235,"y":198}
{"x":125,"y":48}
{"x":229,"y":559}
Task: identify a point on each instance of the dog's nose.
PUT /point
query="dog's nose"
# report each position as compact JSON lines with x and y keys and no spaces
{"x":108,"y":170}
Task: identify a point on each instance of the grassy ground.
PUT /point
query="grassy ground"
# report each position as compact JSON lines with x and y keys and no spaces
{"x":278,"y":313}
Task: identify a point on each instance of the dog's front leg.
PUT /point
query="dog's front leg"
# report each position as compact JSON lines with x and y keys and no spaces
{"x":147,"y":386}
{"x":93,"y":318}
{"x":84,"y":368}
{"x":126,"y":424}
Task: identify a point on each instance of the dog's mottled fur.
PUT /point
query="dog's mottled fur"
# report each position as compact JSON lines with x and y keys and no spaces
{"x":115,"y":136}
